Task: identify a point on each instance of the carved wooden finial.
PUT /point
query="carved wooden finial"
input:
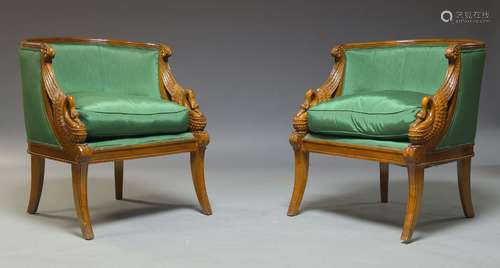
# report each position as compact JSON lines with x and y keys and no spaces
{"x":165,"y":52}
{"x":452,"y":52}
{"x":338,"y":52}
{"x":47,"y":52}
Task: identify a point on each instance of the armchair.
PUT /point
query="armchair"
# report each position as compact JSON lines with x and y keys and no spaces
{"x":410,"y":103}
{"x":94,"y":100}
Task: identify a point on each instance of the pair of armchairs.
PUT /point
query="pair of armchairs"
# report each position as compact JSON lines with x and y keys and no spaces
{"x":408,"y":103}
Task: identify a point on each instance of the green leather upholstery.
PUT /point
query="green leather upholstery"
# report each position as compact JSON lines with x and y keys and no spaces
{"x":112,"y":115}
{"x":366,"y":114}
{"x":37,"y":126}
{"x":116,"y":91}
{"x":417,"y":68}
{"x":374,"y":114}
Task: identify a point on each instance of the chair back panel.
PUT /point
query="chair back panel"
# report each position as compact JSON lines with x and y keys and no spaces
{"x":419,"y":68}
{"x":106,"y":68}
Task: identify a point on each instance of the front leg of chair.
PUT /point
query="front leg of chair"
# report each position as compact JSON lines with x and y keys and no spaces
{"x":301,"y":171}
{"x":415,"y":190}
{"x":198,"y":173}
{"x":37,"y":173}
{"x":79,"y":174}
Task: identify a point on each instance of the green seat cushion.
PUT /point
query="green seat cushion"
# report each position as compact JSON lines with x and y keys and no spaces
{"x":378,"y":115}
{"x":112,"y":116}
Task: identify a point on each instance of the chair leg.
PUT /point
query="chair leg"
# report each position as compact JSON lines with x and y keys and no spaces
{"x":415,"y":190}
{"x":463,"y":168}
{"x":384,"y":182}
{"x":301,"y":170}
{"x":79,"y":174}
{"x":198,"y":174}
{"x":37,"y":173}
{"x":119,"y":179}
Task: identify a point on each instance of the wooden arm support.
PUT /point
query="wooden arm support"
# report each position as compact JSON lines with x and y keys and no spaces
{"x":68,"y":128}
{"x":327,"y":90}
{"x":437,"y":111}
{"x":186,"y":97}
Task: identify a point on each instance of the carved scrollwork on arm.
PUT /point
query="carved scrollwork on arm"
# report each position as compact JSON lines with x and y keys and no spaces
{"x":173,"y":89}
{"x":300,"y":119}
{"x":186,"y":97}
{"x":325,"y":92}
{"x":197,"y":120}
{"x":433,"y":119}
{"x":69,"y":129}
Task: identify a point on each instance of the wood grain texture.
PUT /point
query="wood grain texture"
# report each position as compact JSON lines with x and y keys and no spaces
{"x":37,"y":174}
{"x":118,"y":179}
{"x":198,"y":173}
{"x":79,"y":175}
{"x":384,"y":182}
{"x":463,"y":170}
{"x":415,"y":190}
{"x":301,"y":172}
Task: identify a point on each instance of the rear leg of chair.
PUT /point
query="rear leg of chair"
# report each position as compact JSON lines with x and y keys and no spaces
{"x":79,"y":174}
{"x":384,"y":182}
{"x":119,"y":179}
{"x":37,"y":173}
{"x":301,"y":170}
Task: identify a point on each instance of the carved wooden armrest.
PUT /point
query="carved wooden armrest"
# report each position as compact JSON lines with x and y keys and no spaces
{"x":433,"y":119}
{"x":174,"y":90}
{"x":186,"y":97}
{"x":325,"y":92}
{"x":69,"y":129}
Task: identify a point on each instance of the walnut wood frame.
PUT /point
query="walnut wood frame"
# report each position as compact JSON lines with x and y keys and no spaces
{"x":424,"y":134}
{"x":71,"y":133}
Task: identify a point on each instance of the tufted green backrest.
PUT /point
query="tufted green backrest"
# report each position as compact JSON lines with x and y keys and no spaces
{"x":419,"y":68}
{"x":105,"y":68}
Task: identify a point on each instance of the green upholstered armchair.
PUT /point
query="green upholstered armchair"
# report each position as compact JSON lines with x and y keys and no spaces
{"x":93,"y":100}
{"x":408,"y":103}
